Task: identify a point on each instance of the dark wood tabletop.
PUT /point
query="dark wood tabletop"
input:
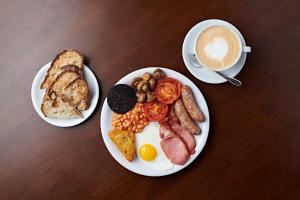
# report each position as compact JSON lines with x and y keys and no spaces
{"x":253,"y":147}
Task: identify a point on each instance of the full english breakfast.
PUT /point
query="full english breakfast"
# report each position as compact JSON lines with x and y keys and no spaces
{"x":160,"y":130}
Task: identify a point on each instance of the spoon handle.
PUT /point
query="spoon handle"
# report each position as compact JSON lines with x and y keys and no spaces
{"x":230,"y":80}
{"x":233,"y":81}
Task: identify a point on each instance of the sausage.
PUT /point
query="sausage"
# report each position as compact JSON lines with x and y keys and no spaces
{"x":172,"y":118}
{"x":191,"y":104}
{"x":186,"y":122}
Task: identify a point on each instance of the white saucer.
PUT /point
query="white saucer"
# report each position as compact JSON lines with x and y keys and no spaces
{"x":37,"y":95}
{"x":203,"y":74}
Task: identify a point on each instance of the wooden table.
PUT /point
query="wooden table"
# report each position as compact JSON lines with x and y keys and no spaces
{"x":254,"y":141}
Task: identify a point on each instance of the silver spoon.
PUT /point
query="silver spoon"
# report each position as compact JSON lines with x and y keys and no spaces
{"x":233,"y":81}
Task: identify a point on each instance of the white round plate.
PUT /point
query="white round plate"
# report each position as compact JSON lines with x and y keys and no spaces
{"x":203,"y":74}
{"x":37,"y":95}
{"x":138,"y":166}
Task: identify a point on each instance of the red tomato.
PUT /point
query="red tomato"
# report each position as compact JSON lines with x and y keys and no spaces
{"x":156,"y":111}
{"x":167,"y":90}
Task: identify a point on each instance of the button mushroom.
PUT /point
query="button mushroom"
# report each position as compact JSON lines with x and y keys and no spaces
{"x":140,"y":85}
{"x":145,"y":87}
{"x":152,"y":83}
{"x":146,"y":76}
{"x":141,"y":97}
{"x":135,"y":82}
{"x":150,"y":96}
{"x":158,"y":74}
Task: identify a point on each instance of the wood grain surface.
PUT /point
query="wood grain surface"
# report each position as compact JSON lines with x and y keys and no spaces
{"x":253,"y":148}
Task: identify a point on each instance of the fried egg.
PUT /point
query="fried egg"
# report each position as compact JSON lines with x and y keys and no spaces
{"x":149,"y":150}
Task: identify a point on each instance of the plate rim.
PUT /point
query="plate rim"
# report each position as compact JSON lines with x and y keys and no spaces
{"x":35,"y":85}
{"x":163,"y":173}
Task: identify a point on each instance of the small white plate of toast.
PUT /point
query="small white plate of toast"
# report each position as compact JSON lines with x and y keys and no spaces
{"x":65,"y":92}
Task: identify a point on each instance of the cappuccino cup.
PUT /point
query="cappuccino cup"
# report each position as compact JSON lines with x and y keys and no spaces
{"x":218,"y":47}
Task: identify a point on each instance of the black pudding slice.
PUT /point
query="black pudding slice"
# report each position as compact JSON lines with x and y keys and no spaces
{"x":121,"y":98}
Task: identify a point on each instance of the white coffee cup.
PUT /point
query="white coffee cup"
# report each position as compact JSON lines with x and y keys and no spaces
{"x":242,"y":48}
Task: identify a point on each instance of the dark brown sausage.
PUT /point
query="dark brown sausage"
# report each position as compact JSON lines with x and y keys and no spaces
{"x":186,"y":122}
{"x":191,"y":104}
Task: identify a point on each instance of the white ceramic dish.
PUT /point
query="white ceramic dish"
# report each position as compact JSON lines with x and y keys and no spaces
{"x":138,"y":166}
{"x":37,"y":97}
{"x":203,"y":74}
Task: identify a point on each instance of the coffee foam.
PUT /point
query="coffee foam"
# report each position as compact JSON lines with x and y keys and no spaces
{"x":217,"y":48}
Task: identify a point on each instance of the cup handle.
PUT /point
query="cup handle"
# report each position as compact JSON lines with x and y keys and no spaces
{"x":246,"y":49}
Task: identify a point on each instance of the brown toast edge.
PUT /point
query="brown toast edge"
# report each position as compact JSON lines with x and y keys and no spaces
{"x":58,"y":76}
{"x":78,"y":70}
{"x":84,"y":82}
{"x":57,"y":56}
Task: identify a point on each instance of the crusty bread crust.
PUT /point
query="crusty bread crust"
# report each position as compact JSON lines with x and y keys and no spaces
{"x":63,"y":80}
{"x":73,"y":68}
{"x":67,"y":57}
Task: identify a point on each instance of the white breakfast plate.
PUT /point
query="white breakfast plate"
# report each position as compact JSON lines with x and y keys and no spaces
{"x":203,"y":74}
{"x":37,"y":97}
{"x":138,"y":166}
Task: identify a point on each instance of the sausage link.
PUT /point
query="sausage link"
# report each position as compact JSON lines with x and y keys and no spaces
{"x":186,"y":122}
{"x":191,"y":104}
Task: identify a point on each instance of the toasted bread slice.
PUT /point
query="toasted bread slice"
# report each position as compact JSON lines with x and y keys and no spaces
{"x":67,"y":57}
{"x":125,"y":141}
{"x":72,"y":88}
{"x":54,"y":106}
{"x":73,"y":68}
{"x":63,"y":80}
{"x":77,"y":93}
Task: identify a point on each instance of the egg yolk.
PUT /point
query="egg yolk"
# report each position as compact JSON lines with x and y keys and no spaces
{"x":147,"y":152}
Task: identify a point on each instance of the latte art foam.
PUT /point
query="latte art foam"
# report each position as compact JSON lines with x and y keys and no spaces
{"x":217,"y":47}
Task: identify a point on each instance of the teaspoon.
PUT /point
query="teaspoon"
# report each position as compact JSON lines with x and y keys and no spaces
{"x":233,"y":81}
